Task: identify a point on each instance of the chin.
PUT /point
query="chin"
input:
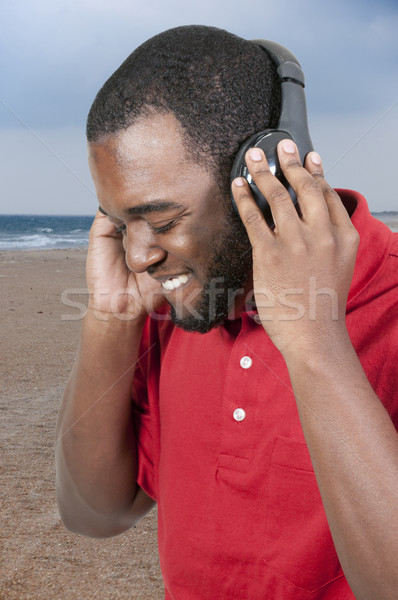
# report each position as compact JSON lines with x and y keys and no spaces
{"x":199,"y":323}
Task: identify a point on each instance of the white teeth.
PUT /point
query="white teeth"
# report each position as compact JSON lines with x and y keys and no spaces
{"x":174,"y":282}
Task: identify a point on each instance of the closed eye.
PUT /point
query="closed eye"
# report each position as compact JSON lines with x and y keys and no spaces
{"x":164,"y":228}
{"x":122,"y":227}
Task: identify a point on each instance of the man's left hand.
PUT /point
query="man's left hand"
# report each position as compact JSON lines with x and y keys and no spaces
{"x":302,"y":269}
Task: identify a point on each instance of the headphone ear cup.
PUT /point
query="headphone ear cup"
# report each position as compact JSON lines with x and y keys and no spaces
{"x":268,"y":141}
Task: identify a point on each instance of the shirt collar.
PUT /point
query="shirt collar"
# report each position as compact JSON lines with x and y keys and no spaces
{"x":375,"y":241}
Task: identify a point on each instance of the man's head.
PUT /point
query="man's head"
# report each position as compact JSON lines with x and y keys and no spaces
{"x":195,"y":93}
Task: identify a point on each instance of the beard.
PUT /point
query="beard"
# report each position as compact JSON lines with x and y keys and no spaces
{"x":227,"y":272}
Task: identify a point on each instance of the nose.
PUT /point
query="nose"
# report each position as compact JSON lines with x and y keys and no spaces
{"x":142,"y":250}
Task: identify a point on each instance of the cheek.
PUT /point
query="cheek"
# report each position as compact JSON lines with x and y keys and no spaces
{"x":181,"y":239}
{"x":197,"y":241}
{"x":210,"y":226}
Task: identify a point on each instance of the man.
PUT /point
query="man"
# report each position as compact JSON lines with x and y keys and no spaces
{"x":268,"y":441}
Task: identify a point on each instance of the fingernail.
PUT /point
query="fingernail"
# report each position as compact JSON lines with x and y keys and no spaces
{"x":288,"y":146}
{"x":316,"y":159}
{"x":239,"y":182}
{"x":255,"y":154}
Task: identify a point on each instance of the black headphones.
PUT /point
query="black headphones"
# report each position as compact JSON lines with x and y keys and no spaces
{"x":292,"y":124}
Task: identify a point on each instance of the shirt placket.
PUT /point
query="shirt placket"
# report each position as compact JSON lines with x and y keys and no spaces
{"x":239,"y":410}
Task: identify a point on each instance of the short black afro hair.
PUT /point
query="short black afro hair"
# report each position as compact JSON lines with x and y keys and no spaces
{"x":220,"y":87}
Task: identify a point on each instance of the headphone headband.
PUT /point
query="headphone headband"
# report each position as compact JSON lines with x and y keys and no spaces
{"x":292,"y":124}
{"x":293,"y":117}
{"x":277,"y":52}
{"x":287,"y":65}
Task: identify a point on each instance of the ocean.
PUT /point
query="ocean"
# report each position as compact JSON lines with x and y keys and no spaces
{"x":37,"y":232}
{"x":34,"y":232}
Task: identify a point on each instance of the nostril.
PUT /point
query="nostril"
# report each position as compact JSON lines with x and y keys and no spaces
{"x":140,"y":261}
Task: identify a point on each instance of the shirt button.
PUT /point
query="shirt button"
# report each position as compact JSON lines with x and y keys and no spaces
{"x":246,"y":362}
{"x":239,"y":414}
{"x":257,"y":319}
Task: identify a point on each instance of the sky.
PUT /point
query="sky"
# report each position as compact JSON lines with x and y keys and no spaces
{"x":56,"y":54}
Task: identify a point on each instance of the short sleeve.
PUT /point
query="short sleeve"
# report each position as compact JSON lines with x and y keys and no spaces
{"x":143,"y":421}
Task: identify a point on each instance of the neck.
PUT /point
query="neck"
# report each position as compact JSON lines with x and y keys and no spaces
{"x":244,"y":300}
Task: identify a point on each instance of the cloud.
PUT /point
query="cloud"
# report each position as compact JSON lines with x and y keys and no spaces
{"x":45,"y":172}
{"x":359,"y":153}
{"x":54,"y":56}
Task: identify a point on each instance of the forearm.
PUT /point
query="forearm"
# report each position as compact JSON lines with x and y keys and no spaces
{"x":354,"y":449}
{"x":95,"y":445}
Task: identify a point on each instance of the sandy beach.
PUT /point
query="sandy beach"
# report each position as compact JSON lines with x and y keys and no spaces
{"x":43,"y":296}
{"x":40,"y":291}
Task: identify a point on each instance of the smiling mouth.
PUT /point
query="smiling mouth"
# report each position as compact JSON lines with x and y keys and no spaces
{"x":173,"y":283}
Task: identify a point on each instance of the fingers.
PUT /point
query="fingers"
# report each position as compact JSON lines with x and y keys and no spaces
{"x":283,"y":211}
{"x":337,"y":211}
{"x":319,"y":203}
{"x":305,"y":182}
{"x":102,"y":226}
{"x":251,"y":215}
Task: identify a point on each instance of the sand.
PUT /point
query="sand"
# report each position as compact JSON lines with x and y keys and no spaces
{"x":42,"y":297}
{"x":39,"y":558}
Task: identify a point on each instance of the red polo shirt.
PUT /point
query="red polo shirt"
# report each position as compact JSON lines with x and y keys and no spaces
{"x":240,"y":514}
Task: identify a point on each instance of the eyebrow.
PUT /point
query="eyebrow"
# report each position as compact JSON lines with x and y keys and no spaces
{"x":150,"y":207}
{"x":155,"y":206}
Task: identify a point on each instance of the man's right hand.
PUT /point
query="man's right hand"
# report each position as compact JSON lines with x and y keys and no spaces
{"x":113,"y":288}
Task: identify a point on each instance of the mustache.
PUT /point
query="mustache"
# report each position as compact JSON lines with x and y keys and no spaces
{"x":165,"y":268}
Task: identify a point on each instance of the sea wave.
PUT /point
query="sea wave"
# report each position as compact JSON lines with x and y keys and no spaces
{"x":36,"y":241}
{"x":24,"y":232}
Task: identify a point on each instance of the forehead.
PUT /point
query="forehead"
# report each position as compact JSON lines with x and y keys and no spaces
{"x":147,"y":160}
{"x":151,"y":141}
